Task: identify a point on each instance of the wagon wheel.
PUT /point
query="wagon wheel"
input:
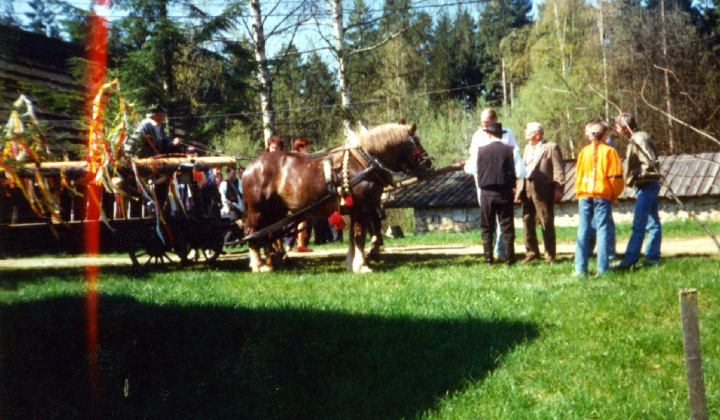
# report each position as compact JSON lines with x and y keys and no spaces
{"x":208,"y":248}
{"x":208,"y":255}
{"x":233,"y":233}
{"x":147,"y":249}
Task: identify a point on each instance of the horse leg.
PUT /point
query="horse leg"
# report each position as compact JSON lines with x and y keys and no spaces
{"x":357,"y":231}
{"x":376,"y":239}
{"x":256,"y":264}
{"x":351,"y":245}
{"x":277,"y":254}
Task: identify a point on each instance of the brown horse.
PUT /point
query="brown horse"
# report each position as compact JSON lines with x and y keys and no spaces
{"x":279,"y":184}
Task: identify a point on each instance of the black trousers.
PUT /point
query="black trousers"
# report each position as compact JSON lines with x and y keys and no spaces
{"x":497,"y":203}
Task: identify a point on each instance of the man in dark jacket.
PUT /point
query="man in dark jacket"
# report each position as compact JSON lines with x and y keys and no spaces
{"x":496,"y":178}
{"x":150,"y":137}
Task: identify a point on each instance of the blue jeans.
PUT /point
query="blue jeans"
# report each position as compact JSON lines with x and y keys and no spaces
{"x":646,"y":218}
{"x":597,"y":212}
{"x":611,"y":252}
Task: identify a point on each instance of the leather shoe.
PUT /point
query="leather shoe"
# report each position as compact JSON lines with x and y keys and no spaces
{"x":622,"y":265}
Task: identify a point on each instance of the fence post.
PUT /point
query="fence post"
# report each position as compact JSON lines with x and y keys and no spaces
{"x":693,"y":357}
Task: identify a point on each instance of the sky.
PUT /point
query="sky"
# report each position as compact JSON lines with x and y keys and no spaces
{"x":307,"y":38}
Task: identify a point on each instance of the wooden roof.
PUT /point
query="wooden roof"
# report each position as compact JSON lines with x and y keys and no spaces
{"x":689,"y":175}
{"x":30,"y":59}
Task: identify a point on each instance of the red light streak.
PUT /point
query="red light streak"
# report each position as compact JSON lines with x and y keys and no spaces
{"x":97,"y":62}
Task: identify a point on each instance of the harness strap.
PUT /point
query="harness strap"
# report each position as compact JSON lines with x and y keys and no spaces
{"x":327,"y":169}
{"x":286,"y":224}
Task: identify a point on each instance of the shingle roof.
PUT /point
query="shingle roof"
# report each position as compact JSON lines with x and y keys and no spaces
{"x":33,"y":61}
{"x":689,"y":175}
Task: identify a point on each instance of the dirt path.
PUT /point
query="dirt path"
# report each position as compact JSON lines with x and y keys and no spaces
{"x":670,"y":247}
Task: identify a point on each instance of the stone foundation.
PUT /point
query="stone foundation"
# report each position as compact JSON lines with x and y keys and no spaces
{"x":464,"y":219}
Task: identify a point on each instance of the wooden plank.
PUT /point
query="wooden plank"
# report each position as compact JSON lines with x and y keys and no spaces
{"x":685,"y":168}
{"x":713,"y":182}
{"x":666,"y":167}
{"x":702,"y":177}
{"x":77,"y":169}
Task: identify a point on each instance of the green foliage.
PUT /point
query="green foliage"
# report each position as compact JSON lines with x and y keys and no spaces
{"x":304,"y":96}
{"x":237,"y":141}
{"x":161,"y":61}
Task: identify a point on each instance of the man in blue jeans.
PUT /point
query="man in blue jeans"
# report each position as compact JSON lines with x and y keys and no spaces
{"x":640,"y":170}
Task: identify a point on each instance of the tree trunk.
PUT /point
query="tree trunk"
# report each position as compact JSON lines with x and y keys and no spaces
{"x":667,"y":79}
{"x":512,"y":95}
{"x":339,"y":37}
{"x":504,"y":84}
{"x":561,"y":43}
{"x":258,"y":35}
{"x":601,"y":26}
{"x":168,"y":76}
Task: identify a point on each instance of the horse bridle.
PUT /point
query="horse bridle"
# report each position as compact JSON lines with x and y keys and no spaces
{"x":419,"y":154}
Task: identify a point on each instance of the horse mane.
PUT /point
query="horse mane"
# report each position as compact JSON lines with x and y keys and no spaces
{"x":381,"y":137}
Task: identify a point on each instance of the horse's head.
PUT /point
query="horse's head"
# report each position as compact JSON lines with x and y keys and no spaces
{"x":397,"y":147}
{"x":420,"y":160}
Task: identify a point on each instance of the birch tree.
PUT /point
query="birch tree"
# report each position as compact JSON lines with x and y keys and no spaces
{"x":287,"y":22}
{"x":337,"y":44}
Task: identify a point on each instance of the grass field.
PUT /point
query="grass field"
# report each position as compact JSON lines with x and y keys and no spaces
{"x":424,"y":336}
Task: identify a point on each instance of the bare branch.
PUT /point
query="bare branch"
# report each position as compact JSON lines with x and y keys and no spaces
{"x":278,"y":29}
{"x":654,"y":108}
{"x":291,"y":54}
{"x":557,"y":90}
{"x":388,"y":39}
{"x":617,"y":108}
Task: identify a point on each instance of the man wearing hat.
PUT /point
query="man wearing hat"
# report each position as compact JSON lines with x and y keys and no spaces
{"x":496,"y":179}
{"x":481,"y":138}
{"x":150,"y":137}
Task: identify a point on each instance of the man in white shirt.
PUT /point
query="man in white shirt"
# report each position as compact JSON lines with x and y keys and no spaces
{"x":482,"y":138}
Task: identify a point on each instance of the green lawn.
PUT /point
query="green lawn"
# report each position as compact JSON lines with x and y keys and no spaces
{"x":421,"y":337}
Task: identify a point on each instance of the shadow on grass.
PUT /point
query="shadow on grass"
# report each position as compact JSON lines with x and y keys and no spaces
{"x":389,"y":262}
{"x":210,"y":362}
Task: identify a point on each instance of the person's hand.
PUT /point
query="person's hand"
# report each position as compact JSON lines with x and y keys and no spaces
{"x":558,"y":196}
{"x":176,"y":141}
{"x":615,"y":202}
{"x":518,"y":200}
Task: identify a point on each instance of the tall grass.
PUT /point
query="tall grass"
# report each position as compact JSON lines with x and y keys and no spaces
{"x":422,"y":337}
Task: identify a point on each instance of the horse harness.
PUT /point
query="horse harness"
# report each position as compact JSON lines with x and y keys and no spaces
{"x":371,"y":166}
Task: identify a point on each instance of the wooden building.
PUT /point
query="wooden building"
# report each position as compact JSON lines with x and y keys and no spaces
{"x":449,"y":202}
{"x":41,"y":69}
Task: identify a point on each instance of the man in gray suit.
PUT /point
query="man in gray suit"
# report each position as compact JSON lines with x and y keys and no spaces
{"x":539,"y":191}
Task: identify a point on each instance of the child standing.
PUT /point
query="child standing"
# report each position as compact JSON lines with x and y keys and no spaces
{"x":598,"y":184}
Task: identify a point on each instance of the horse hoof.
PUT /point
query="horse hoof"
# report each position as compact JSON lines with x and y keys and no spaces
{"x":364,"y":269}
